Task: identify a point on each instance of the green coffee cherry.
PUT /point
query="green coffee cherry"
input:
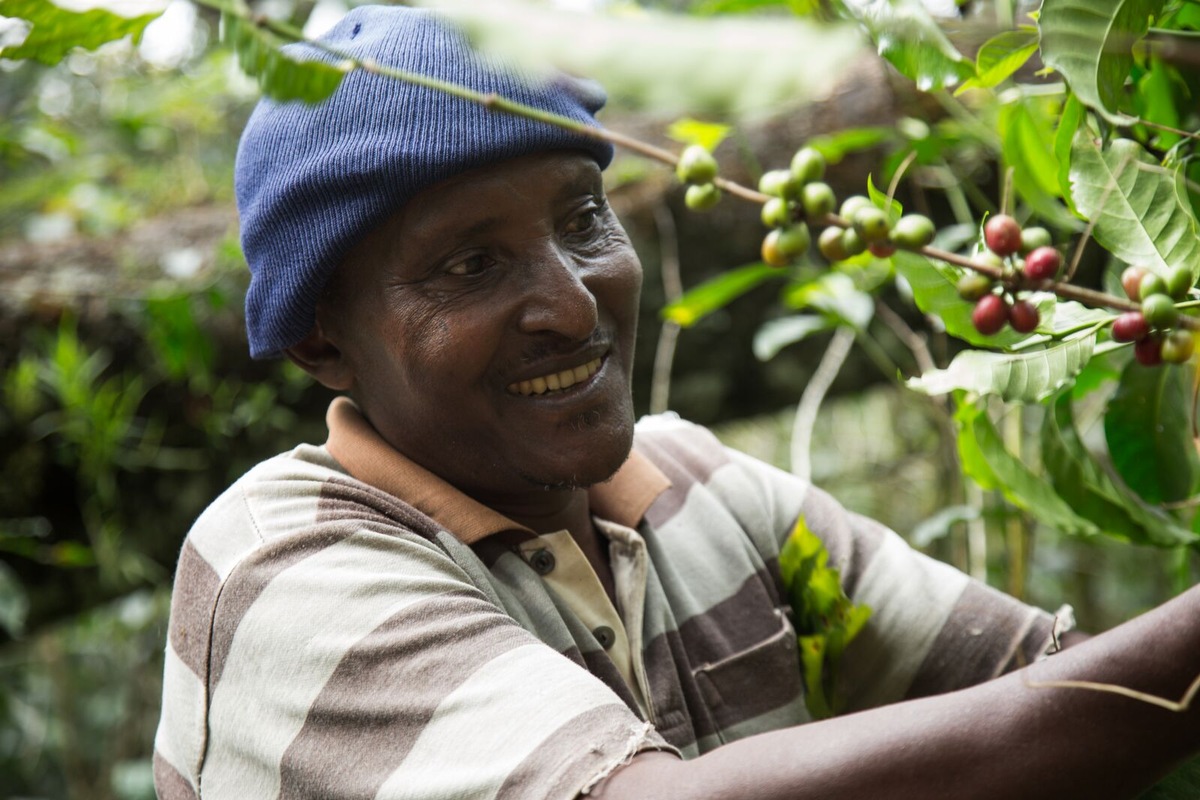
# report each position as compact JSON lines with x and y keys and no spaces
{"x":818,"y":199}
{"x":973,"y":286}
{"x":808,"y":165}
{"x":852,"y":242}
{"x":1179,"y":280}
{"x":852,"y":204}
{"x":913,"y":231}
{"x":775,"y":213}
{"x":794,"y":240}
{"x":1151,"y":284}
{"x":780,"y":183}
{"x":1178,"y":347}
{"x":696,"y":165}
{"x":1033,"y":238}
{"x":1159,"y":310}
{"x":871,"y":223}
{"x":830,"y":244}
{"x":702,"y":196}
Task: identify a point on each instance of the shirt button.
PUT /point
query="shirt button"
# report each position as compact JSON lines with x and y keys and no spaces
{"x":542,"y":561}
{"x":605,"y":636}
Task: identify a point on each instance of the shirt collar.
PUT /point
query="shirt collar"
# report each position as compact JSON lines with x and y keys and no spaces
{"x":358,"y":447}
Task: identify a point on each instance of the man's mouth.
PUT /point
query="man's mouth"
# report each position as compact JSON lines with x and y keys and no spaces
{"x":556,"y":381}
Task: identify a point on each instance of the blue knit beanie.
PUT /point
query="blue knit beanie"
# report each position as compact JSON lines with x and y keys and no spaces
{"x":313,"y":180}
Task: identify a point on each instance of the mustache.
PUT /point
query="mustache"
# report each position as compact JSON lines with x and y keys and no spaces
{"x":558,"y":346}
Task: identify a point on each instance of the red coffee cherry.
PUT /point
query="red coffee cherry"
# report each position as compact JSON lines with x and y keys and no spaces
{"x":1023,"y":316}
{"x":881,"y":249}
{"x":1042,"y":264}
{"x":1002,"y":234}
{"x":990,"y":314}
{"x":1148,"y":351}
{"x":1130,"y":327}
{"x":1131,"y":282}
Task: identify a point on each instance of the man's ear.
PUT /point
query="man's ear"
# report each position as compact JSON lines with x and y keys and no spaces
{"x":317,"y":355}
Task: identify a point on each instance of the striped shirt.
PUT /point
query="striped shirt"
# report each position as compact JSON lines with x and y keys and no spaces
{"x":345,"y":624}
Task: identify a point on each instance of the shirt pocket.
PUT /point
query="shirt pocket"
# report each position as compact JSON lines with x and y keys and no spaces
{"x":760,"y":679}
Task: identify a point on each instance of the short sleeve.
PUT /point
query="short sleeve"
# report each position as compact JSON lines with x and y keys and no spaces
{"x":365,"y":664}
{"x":932,"y":629}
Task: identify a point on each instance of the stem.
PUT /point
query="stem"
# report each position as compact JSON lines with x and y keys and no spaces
{"x":811,"y":398}
{"x":664,"y":356}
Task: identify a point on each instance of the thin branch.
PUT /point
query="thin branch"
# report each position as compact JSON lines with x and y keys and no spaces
{"x":664,"y":356}
{"x":911,"y":339}
{"x":812,"y":397}
{"x":1177,"y":706}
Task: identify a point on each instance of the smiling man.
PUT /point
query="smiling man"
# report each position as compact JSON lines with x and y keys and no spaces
{"x":487,"y":583}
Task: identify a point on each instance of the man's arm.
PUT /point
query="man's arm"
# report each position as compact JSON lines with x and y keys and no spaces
{"x":1003,"y":739}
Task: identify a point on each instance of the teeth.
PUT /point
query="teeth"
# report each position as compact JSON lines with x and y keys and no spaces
{"x":557,"y":381}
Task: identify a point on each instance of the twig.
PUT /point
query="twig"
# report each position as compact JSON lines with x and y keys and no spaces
{"x":664,"y":355}
{"x":812,"y":397}
{"x":1177,"y":706}
{"x":911,"y":339}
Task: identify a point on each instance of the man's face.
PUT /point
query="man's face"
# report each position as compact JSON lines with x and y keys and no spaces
{"x":489,"y":328}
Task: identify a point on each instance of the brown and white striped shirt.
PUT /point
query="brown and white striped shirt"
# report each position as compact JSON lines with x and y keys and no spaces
{"x":347,"y":625}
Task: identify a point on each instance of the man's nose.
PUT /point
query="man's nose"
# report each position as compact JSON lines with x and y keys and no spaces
{"x":557,"y":298}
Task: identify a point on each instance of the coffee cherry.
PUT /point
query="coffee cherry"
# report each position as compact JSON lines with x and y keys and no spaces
{"x":1178,"y":347}
{"x":771,"y":254}
{"x":818,"y":199}
{"x":990,"y":314}
{"x":702,"y":196}
{"x":696,"y":165}
{"x":852,"y":242}
{"x":1033,"y":238}
{"x":913,"y":231}
{"x":782,"y":245}
{"x":1023,"y":316}
{"x":808,"y":165}
{"x":1131,"y":282}
{"x":1179,"y":281}
{"x":871,"y":223}
{"x":1130,"y":327}
{"x":1148,"y":351}
{"x":780,"y":183}
{"x":1002,"y":235}
{"x":852,"y":204}
{"x":973,"y":286}
{"x":775,"y":213}
{"x":794,"y":240}
{"x":830,"y":244}
{"x":990,"y":259}
{"x":1042,"y":264}
{"x":881,"y":249}
{"x":1151,"y":284}
{"x":1159,"y":310}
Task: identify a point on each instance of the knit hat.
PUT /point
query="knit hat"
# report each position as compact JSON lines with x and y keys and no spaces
{"x":311,"y":181}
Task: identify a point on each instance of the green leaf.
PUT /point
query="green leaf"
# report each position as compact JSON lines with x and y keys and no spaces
{"x":836,"y":294}
{"x":692,"y":131}
{"x":1148,"y":429}
{"x":1027,"y":130}
{"x":711,"y":295}
{"x":776,"y":334}
{"x":1073,"y":115}
{"x":1001,"y":56}
{"x":1155,"y":101}
{"x":933,"y":284}
{"x":1084,"y":484}
{"x":797,"y":7}
{"x":893,"y":207}
{"x":985,"y":460}
{"x":56,"y":30}
{"x":280,"y":76}
{"x":1090,"y":42}
{"x":836,"y":146}
{"x":825,"y":619}
{"x":1023,"y":377}
{"x":909,"y":38}
{"x":1135,"y":205}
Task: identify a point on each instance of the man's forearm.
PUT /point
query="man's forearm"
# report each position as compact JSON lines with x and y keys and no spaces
{"x":1011,"y":737}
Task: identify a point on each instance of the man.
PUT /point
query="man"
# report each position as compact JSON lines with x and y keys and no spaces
{"x":476,"y":589}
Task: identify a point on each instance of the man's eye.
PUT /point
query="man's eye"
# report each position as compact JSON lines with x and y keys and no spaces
{"x":584,"y":221}
{"x":471,"y":265}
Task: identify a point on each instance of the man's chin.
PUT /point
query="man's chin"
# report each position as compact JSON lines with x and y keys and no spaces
{"x":600,"y":463}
